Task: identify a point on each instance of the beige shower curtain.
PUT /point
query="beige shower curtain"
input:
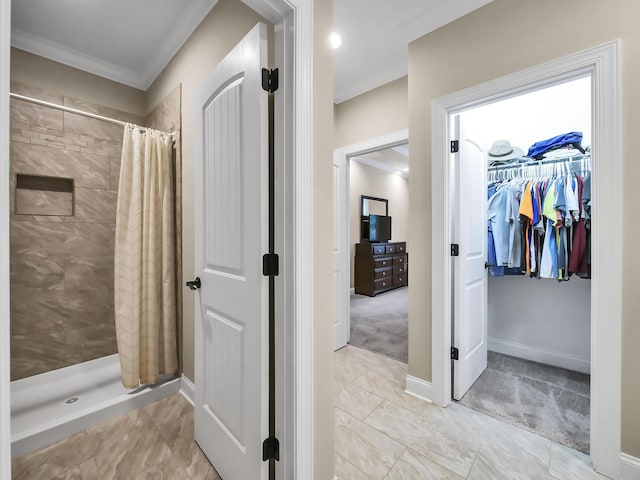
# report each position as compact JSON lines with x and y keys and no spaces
{"x":145,"y":277}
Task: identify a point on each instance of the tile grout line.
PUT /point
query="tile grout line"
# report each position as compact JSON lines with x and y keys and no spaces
{"x":374,"y":428}
{"x":346,"y":460}
{"x":473,"y":463}
{"x":396,"y":462}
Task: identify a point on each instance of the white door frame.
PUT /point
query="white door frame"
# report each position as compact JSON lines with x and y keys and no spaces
{"x":5,"y":368}
{"x":298,"y":227}
{"x":341,"y":245}
{"x":344,"y":154}
{"x":606,"y":310}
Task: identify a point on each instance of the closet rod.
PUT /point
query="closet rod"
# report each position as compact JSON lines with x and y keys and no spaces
{"x":76,"y":111}
{"x":546,"y":161}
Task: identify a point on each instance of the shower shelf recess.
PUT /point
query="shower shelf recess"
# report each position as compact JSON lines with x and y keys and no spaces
{"x":42,"y":195}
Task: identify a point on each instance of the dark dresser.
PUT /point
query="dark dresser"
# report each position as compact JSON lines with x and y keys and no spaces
{"x":380,"y":267}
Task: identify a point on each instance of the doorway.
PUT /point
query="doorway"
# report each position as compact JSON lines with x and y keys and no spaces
{"x":517,"y":359}
{"x":371,"y":182}
{"x":601,"y":64}
{"x":379,"y":198}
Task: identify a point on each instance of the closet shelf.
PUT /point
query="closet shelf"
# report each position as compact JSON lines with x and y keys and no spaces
{"x":549,"y":166}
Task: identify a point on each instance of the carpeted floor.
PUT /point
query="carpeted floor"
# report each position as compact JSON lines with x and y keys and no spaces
{"x":380,"y":323}
{"x":550,"y":401}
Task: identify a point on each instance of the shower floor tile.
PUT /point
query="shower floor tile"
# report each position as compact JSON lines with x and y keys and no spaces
{"x":152,"y":442}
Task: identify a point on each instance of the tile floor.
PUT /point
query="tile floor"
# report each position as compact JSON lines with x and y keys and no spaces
{"x":154,"y":442}
{"x":382,"y":433}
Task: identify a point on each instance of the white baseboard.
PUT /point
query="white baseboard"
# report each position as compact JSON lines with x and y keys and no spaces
{"x":557,"y":359}
{"x":629,"y":467}
{"x":419,"y":388}
{"x":352,"y":291}
{"x":187,"y":389}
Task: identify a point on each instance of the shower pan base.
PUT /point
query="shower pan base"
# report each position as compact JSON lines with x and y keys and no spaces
{"x":51,"y":406}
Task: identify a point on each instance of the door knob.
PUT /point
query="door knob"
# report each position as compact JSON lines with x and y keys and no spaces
{"x":194,"y":284}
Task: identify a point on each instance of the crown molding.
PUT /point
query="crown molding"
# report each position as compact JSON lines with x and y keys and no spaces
{"x":73,"y":58}
{"x":141,"y":79}
{"x":176,"y":38}
{"x":353,"y":89}
{"x":380,"y":166}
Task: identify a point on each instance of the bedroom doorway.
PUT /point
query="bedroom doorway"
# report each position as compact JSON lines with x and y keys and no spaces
{"x":370,"y":249}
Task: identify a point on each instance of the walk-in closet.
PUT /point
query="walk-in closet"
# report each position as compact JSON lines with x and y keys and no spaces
{"x":536,"y":149}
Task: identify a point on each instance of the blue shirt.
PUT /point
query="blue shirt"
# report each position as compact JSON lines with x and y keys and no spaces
{"x":497,"y":216}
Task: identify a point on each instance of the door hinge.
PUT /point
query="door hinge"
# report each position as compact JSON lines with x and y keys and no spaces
{"x":455,"y":146}
{"x":271,"y":449}
{"x":270,"y":80}
{"x":455,"y":249}
{"x":454,"y":353}
{"x":270,"y":265}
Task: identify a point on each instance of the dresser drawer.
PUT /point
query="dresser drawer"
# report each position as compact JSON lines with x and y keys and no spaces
{"x":382,"y":262}
{"x":401,"y":248}
{"x":399,"y":261}
{"x":384,"y":273}
{"x":400,"y":280}
{"x":378,"y":249}
{"x":390,"y":249}
{"x":383,"y":283}
{"x":398,"y":269}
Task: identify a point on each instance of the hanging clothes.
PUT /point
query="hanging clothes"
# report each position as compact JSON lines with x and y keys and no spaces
{"x":540,"y":226}
{"x":501,"y":231}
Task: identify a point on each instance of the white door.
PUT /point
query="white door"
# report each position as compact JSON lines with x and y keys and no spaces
{"x":470,"y":279}
{"x":231,"y":234}
{"x":341,"y":270}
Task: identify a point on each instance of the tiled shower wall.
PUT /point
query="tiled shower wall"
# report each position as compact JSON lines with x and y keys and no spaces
{"x":61,"y":257}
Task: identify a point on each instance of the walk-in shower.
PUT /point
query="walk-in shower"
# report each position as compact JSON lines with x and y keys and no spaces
{"x":64,"y":181}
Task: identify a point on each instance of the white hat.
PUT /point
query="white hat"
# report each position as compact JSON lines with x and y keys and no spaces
{"x":502,"y":151}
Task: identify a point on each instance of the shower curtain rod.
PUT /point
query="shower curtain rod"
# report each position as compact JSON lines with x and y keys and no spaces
{"x":78,"y":112}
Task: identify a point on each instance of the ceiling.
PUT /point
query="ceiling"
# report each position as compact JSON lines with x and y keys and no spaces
{"x":132,"y":41}
{"x":391,"y":160}
{"x":375,"y":37}
{"x":127,"y":41}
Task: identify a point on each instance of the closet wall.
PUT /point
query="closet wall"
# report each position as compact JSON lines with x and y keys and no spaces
{"x":542,"y":320}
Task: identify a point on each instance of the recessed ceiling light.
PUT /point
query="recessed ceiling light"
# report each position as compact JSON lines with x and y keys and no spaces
{"x":336,"y":41}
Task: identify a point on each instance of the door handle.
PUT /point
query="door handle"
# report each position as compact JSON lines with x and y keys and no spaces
{"x":194,"y":284}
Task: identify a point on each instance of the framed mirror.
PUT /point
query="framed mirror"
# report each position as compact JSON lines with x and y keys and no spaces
{"x":373,"y":206}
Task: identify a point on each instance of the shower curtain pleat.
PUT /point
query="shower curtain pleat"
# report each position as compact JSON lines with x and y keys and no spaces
{"x":144,"y":271}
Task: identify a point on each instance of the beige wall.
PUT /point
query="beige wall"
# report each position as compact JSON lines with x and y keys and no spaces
{"x":375,"y":113}
{"x":227,"y":23}
{"x":58,"y":78}
{"x":366,"y":180}
{"x":323,"y":442}
{"x":500,"y":38}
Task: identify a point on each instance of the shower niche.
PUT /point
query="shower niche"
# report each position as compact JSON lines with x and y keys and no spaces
{"x":41,"y":195}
